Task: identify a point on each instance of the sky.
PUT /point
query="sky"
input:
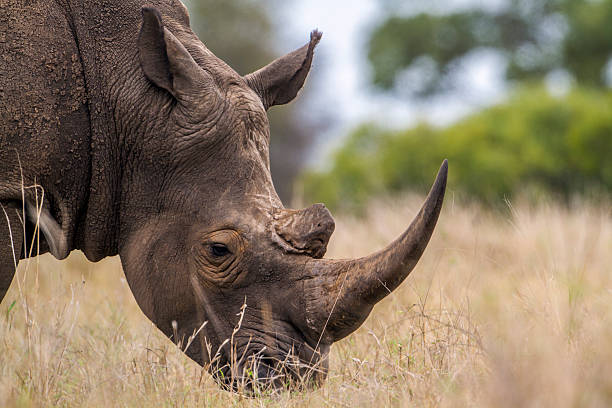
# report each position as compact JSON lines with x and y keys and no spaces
{"x":341,"y":72}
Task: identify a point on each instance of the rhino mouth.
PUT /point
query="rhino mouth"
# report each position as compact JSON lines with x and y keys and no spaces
{"x":259,"y":373}
{"x":263,"y":364}
{"x":262,"y":371}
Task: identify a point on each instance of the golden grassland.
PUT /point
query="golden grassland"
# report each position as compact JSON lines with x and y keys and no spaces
{"x":505,"y":309}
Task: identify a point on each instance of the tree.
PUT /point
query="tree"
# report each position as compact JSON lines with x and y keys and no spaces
{"x":536,"y":37}
{"x":532,"y":143}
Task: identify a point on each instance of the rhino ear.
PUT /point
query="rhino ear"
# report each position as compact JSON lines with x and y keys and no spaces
{"x":279,"y":82}
{"x":164,"y":60}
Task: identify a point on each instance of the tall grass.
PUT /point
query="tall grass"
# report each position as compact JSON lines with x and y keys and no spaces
{"x":507,"y":309}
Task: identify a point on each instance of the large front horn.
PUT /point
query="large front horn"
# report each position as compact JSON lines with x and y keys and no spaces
{"x":341,"y":293}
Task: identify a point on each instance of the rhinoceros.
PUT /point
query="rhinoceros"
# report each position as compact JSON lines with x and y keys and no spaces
{"x":122,"y":134}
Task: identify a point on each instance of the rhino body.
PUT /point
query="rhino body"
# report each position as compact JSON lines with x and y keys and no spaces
{"x":122,"y":134}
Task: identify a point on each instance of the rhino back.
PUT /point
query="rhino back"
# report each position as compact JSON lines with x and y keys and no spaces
{"x":73,"y":100}
{"x":44,"y":118}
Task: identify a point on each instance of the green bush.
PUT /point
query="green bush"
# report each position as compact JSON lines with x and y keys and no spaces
{"x":533,"y":143}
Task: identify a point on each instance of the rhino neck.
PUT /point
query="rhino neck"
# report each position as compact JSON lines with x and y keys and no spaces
{"x":107,"y":31}
{"x":96,"y":34}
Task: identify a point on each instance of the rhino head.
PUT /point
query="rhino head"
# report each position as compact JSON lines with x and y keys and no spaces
{"x":210,"y":253}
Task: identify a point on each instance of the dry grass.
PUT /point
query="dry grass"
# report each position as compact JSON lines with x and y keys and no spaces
{"x":503,"y":310}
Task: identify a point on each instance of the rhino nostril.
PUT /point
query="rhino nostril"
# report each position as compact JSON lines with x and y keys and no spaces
{"x":265,"y":372}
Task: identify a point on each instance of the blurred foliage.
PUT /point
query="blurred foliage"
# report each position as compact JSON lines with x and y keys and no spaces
{"x":534,"y":142}
{"x":241,"y":32}
{"x":535,"y":36}
{"x":237,"y":31}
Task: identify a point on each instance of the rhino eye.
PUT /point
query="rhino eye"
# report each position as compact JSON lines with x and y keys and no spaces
{"x":219,"y":250}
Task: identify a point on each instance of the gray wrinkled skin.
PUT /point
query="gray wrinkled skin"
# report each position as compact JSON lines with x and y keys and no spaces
{"x":146,"y":145}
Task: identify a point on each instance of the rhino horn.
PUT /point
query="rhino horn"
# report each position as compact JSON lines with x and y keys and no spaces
{"x":345,"y":291}
{"x":54,"y":235}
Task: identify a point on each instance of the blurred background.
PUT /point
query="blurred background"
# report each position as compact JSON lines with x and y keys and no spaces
{"x":516,"y":93}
